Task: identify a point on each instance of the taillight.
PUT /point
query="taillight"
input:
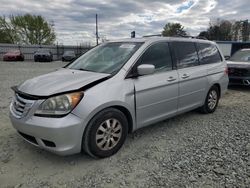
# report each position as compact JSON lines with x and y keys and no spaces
{"x":226,"y":70}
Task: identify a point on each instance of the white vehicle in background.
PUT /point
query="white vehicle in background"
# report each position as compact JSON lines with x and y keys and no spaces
{"x":68,"y":56}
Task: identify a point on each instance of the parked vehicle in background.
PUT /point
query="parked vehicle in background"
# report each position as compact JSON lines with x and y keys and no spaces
{"x":239,"y":68}
{"x":13,"y":55}
{"x":43,"y":55}
{"x":117,"y":88}
{"x":68,"y":56}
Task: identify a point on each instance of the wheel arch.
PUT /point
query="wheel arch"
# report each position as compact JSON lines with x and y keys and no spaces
{"x":120,"y":107}
{"x":219,"y":88}
{"x":128,"y":115}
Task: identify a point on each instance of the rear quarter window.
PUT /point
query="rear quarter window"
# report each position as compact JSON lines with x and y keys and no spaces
{"x":208,"y":53}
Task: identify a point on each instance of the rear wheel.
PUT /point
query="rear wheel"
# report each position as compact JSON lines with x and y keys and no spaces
{"x":212,"y":100}
{"x":106,"y":133}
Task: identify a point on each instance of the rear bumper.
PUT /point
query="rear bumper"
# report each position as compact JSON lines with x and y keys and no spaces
{"x":62,"y":136}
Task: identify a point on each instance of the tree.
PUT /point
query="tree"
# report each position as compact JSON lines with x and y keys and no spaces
{"x":225,"y":30}
{"x":219,"y":30}
{"x":174,"y":29}
{"x":7,"y":32}
{"x":26,"y":29}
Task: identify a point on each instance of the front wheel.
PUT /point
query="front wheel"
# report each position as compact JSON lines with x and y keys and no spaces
{"x":212,"y":100}
{"x":105,"y":133}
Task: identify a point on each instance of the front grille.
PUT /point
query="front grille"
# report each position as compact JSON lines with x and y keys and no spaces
{"x":20,"y":106}
{"x":240,"y":72}
{"x":235,"y":81}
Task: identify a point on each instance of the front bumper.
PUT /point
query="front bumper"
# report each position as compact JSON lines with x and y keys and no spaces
{"x":62,"y":136}
{"x":239,"y":81}
{"x":67,"y":58}
{"x":42,"y":58}
{"x":10,"y":58}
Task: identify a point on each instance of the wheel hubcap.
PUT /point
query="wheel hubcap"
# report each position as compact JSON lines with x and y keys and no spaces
{"x":212,"y":99}
{"x":108,"y":134}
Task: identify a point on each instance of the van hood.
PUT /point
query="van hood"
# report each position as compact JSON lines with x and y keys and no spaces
{"x":60,"y":81}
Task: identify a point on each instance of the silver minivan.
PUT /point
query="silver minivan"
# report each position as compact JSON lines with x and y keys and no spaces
{"x":116,"y":88}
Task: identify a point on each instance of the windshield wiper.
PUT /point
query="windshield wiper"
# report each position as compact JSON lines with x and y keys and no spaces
{"x":81,"y":69}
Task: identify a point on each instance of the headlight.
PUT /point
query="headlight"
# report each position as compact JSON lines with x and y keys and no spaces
{"x":59,"y":105}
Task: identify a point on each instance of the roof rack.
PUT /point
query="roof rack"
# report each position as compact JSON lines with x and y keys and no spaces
{"x":192,"y":37}
{"x":157,"y":35}
{"x":179,"y":35}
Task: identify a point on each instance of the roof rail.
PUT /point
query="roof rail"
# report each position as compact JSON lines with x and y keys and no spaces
{"x":192,"y":37}
{"x":178,"y":35}
{"x":157,"y":35}
{"x":203,"y":38}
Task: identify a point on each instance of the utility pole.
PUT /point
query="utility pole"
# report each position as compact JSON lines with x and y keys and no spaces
{"x":96,"y":29}
{"x":245,"y":30}
{"x":133,"y":34}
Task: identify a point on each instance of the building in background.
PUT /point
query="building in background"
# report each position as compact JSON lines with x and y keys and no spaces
{"x":228,"y":48}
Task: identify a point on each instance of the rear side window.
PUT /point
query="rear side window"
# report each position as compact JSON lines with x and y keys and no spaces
{"x":186,"y":54}
{"x":159,"y":56}
{"x":208,"y":53}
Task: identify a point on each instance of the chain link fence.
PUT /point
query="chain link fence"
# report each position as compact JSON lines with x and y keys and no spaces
{"x":29,"y":50}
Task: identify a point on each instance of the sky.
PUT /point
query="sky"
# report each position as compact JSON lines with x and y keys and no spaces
{"x":74,"y":20}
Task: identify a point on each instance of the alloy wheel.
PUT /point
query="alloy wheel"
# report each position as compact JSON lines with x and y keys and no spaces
{"x":108,"y":134}
{"x":212,"y":99}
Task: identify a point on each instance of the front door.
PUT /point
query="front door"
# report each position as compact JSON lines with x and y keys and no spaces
{"x":156,"y":95}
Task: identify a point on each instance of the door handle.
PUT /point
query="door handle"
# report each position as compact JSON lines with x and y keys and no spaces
{"x":184,"y":76}
{"x":171,"y":78}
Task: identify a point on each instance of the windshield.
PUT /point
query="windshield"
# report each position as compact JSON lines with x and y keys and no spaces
{"x":242,"y":55}
{"x":14,"y":52}
{"x":106,"y":58}
{"x":69,"y":53}
{"x":42,"y":51}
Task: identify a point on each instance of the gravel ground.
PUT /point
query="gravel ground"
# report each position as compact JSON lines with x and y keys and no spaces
{"x":191,"y":150}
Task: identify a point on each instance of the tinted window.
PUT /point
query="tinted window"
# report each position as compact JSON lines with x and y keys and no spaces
{"x":159,"y":56}
{"x":186,"y":54}
{"x":208,"y":53}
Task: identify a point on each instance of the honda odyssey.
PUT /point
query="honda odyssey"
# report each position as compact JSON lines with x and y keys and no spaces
{"x":116,"y":88}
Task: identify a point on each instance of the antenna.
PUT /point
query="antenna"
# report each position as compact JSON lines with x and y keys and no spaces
{"x":96,"y":29}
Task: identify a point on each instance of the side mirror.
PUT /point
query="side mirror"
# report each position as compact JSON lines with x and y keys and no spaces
{"x":145,"y":69}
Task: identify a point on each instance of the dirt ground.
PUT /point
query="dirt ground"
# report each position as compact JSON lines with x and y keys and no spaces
{"x":191,"y":150}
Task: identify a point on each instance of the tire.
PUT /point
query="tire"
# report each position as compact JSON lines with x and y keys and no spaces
{"x":100,"y":144}
{"x":212,"y":100}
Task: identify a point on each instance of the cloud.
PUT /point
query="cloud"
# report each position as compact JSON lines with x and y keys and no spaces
{"x":75,"y":19}
{"x":185,"y":6}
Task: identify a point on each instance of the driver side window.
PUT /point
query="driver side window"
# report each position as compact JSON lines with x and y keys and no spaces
{"x":157,"y":55}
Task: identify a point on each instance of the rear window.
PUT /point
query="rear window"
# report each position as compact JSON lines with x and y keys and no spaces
{"x":208,"y":53}
{"x":186,"y":54}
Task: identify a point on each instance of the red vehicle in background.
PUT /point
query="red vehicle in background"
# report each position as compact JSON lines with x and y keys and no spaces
{"x":14,"y":55}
